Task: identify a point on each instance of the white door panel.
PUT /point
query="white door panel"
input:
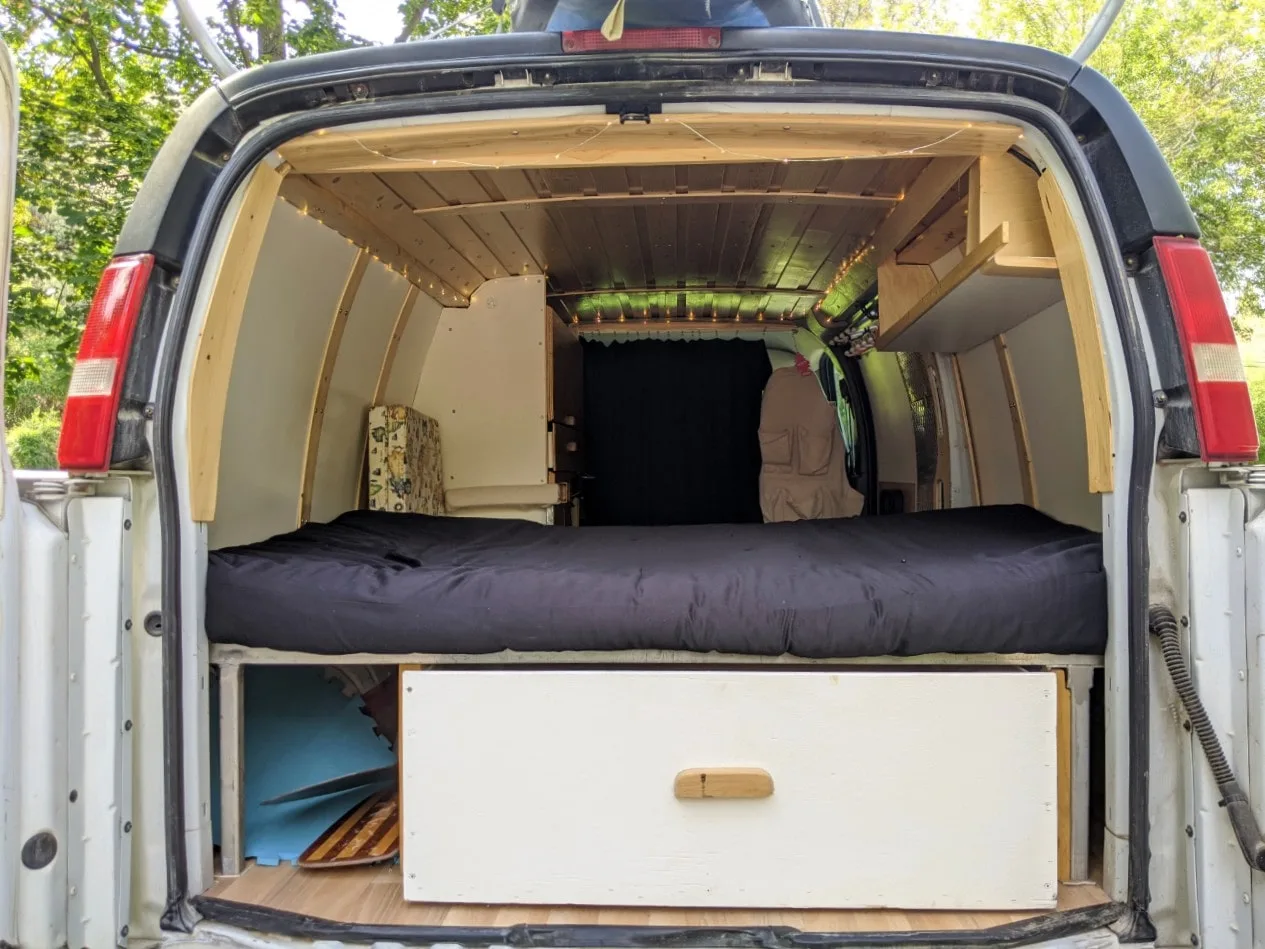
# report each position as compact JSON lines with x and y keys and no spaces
{"x":1218,"y":661}
{"x":100,"y":759}
{"x":43,"y":809}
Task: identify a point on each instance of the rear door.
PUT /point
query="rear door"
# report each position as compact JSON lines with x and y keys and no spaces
{"x":65,"y":678}
{"x":9,"y":567}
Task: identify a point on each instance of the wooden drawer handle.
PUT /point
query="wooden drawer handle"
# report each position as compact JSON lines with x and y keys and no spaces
{"x":697,"y":783}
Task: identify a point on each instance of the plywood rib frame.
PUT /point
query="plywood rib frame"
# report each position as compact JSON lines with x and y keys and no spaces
{"x":1027,"y":476}
{"x":649,"y":200}
{"x":328,"y":361}
{"x":217,"y":341}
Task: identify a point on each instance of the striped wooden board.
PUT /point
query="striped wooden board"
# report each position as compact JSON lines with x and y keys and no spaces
{"x":368,"y":833}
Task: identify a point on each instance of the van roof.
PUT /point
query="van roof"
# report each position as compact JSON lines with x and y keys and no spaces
{"x":529,"y":49}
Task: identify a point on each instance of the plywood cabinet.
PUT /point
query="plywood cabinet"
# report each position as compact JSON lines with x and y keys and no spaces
{"x":497,"y":376}
{"x":1001,"y":272}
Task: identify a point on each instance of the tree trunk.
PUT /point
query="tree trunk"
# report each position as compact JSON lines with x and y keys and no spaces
{"x":272,"y":41}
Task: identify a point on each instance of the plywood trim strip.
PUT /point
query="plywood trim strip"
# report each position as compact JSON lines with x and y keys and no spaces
{"x":1064,"y":770}
{"x":588,"y":140}
{"x":393,"y":344}
{"x":1027,"y":474}
{"x":966,"y":427}
{"x":332,"y":343}
{"x":1082,"y":311}
{"x":384,"y":379}
{"x":217,"y":343}
{"x":553,"y":202}
{"x":228,"y":654}
{"x":706,"y":783}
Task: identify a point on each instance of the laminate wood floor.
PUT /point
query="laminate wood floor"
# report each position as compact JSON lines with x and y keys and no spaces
{"x":374,"y":895}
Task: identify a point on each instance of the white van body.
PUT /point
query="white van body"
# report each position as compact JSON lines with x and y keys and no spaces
{"x":87,"y":726}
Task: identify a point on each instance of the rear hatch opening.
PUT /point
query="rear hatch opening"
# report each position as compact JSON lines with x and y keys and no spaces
{"x":582,"y":319}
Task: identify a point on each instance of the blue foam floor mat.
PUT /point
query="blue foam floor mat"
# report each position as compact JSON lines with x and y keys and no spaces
{"x":300,"y":729}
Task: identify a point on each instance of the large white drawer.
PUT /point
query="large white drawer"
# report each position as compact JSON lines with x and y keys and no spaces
{"x":922,"y":790}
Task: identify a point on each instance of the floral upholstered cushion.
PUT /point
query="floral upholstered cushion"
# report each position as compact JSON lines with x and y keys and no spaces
{"x":406,"y":471}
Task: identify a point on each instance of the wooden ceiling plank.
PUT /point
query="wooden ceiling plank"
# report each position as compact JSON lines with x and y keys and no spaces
{"x":394,"y":216}
{"x":747,"y":269}
{"x":700,"y":243}
{"x":816,"y":243}
{"x":618,"y":227}
{"x":848,"y":240}
{"x":645,"y":246}
{"x":786,"y":224}
{"x":417,"y":191}
{"x":411,"y":188}
{"x":456,"y":187}
{"x":338,"y":215}
{"x":736,"y":241}
{"x":540,"y":237}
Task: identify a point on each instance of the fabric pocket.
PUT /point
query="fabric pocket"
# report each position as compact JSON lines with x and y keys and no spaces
{"x":814,"y":452}
{"x":775,"y":448}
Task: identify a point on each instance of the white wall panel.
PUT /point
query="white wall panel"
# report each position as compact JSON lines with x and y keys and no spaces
{"x":410,"y":356}
{"x":992,"y":431}
{"x":893,"y":420}
{"x":359,"y":360}
{"x":295,"y":290}
{"x":1044,"y":357}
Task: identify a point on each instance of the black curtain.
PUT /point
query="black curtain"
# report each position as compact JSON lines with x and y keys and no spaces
{"x":671,"y":432}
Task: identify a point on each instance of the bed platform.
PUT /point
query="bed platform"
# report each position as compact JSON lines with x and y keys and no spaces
{"x":467,"y":606}
{"x":1003,"y":579}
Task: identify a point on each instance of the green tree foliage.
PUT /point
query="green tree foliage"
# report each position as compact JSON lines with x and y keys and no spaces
{"x":102,"y":84}
{"x":32,"y":442}
{"x":912,"y":16}
{"x":1195,"y":71}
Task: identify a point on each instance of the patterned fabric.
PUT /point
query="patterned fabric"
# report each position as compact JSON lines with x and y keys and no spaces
{"x":406,"y":471}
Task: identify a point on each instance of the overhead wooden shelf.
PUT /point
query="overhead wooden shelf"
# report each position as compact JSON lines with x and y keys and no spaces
{"x":984,"y":295}
{"x":1007,"y":271}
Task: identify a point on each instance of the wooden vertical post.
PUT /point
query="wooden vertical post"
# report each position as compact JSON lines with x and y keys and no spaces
{"x":232,"y":767}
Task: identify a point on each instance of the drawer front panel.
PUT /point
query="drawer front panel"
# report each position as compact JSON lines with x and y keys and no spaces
{"x":923,"y":790}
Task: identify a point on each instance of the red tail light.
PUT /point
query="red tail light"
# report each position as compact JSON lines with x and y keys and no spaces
{"x":592,"y":41}
{"x":92,"y":403}
{"x":1218,"y":385}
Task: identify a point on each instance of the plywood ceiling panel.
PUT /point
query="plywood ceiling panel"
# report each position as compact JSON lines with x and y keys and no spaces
{"x":736,"y":240}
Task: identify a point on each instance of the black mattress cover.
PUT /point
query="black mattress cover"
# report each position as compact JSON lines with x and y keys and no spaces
{"x":994,"y":579}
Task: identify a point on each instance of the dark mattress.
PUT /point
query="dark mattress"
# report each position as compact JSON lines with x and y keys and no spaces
{"x":995,"y":579}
